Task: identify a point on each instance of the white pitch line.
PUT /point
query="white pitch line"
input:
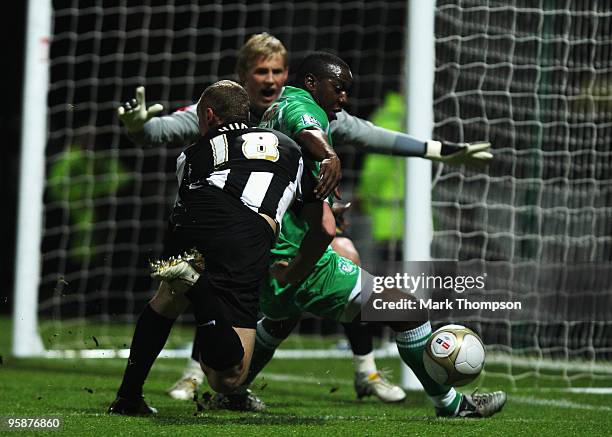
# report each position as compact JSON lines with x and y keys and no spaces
{"x":590,"y":390}
{"x":574,"y":390}
{"x":557,"y":403}
{"x":529,"y":400}
{"x":389,"y":351}
{"x":548,"y":364}
{"x":282,"y":377}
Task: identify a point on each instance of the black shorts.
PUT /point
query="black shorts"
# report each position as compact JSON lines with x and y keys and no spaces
{"x":236,"y":243}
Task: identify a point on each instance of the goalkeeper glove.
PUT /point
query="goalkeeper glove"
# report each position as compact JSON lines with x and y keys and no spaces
{"x":474,"y":154}
{"x":134,"y":113}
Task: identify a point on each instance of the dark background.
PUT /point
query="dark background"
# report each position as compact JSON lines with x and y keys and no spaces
{"x":11,"y":26}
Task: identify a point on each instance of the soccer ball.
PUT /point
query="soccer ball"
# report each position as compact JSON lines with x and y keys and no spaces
{"x":454,"y":355}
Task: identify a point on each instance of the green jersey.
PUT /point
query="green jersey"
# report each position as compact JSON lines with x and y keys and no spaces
{"x":294,"y":111}
{"x":329,"y":290}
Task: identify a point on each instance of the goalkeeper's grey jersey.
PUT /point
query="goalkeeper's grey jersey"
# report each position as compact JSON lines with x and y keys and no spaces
{"x":181,"y":128}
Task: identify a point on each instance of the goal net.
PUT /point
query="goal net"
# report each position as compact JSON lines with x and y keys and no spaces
{"x":106,"y":200}
{"x":535,"y":79}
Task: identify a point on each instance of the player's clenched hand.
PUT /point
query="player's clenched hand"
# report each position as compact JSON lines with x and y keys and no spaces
{"x":474,"y":154}
{"x":281,"y":272}
{"x":339,"y":209}
{"x":329,"y":176}
{"x":134,"y":113}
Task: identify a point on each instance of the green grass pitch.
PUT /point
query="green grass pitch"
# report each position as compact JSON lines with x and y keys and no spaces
{"x":305,"y":397}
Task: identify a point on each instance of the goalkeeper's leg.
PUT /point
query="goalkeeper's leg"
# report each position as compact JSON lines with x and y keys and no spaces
{"x":368,"y":380}
{"x":186,"y":386}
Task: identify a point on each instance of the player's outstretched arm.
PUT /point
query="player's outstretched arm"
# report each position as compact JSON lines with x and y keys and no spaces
{"x":315,"y":142}
{"x":374,"y":139}
{"x":473,"y":154}
{"x":134,"y":113}
{"x":179,"y":128}
{"x":348,"y":129}
{"x":321,"y":231}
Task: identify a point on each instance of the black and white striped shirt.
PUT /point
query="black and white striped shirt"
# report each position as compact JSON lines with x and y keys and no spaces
{"x":260,"y":167}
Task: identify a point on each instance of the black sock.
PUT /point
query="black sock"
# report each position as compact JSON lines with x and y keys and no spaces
{"x":150,"y":335}
{"x":195,"y":350}
{"x":359,"y":338}
{"x":219,"y":345}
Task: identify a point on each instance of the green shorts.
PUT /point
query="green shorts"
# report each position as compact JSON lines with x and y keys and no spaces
{"x":331,"y":290}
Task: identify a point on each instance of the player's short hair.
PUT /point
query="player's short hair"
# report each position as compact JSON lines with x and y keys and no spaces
{"x":228,"y":100}
{"x":319,"y":64}
{"x":260,"y":45}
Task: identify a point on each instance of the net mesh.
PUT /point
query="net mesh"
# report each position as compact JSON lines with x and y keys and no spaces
{"x":535,"y":79}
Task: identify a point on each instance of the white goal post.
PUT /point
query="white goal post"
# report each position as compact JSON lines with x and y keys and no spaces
{"x":419,"y":81}
{"x":26,"y":338}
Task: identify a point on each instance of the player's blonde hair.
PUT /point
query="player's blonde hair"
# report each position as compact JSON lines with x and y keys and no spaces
{"x":260,"y":45}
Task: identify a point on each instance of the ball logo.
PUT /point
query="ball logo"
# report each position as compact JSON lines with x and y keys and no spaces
{"x":443,"y":344}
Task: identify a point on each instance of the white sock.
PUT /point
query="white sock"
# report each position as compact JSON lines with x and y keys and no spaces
{"x":193,"y":371}
{"x":445,"y":400}
{"x":364,"y":363}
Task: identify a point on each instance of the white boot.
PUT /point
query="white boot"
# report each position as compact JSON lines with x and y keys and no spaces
{"x":185,"y":388}
{"x":180,"y":272}
{"x":374,"y":383}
